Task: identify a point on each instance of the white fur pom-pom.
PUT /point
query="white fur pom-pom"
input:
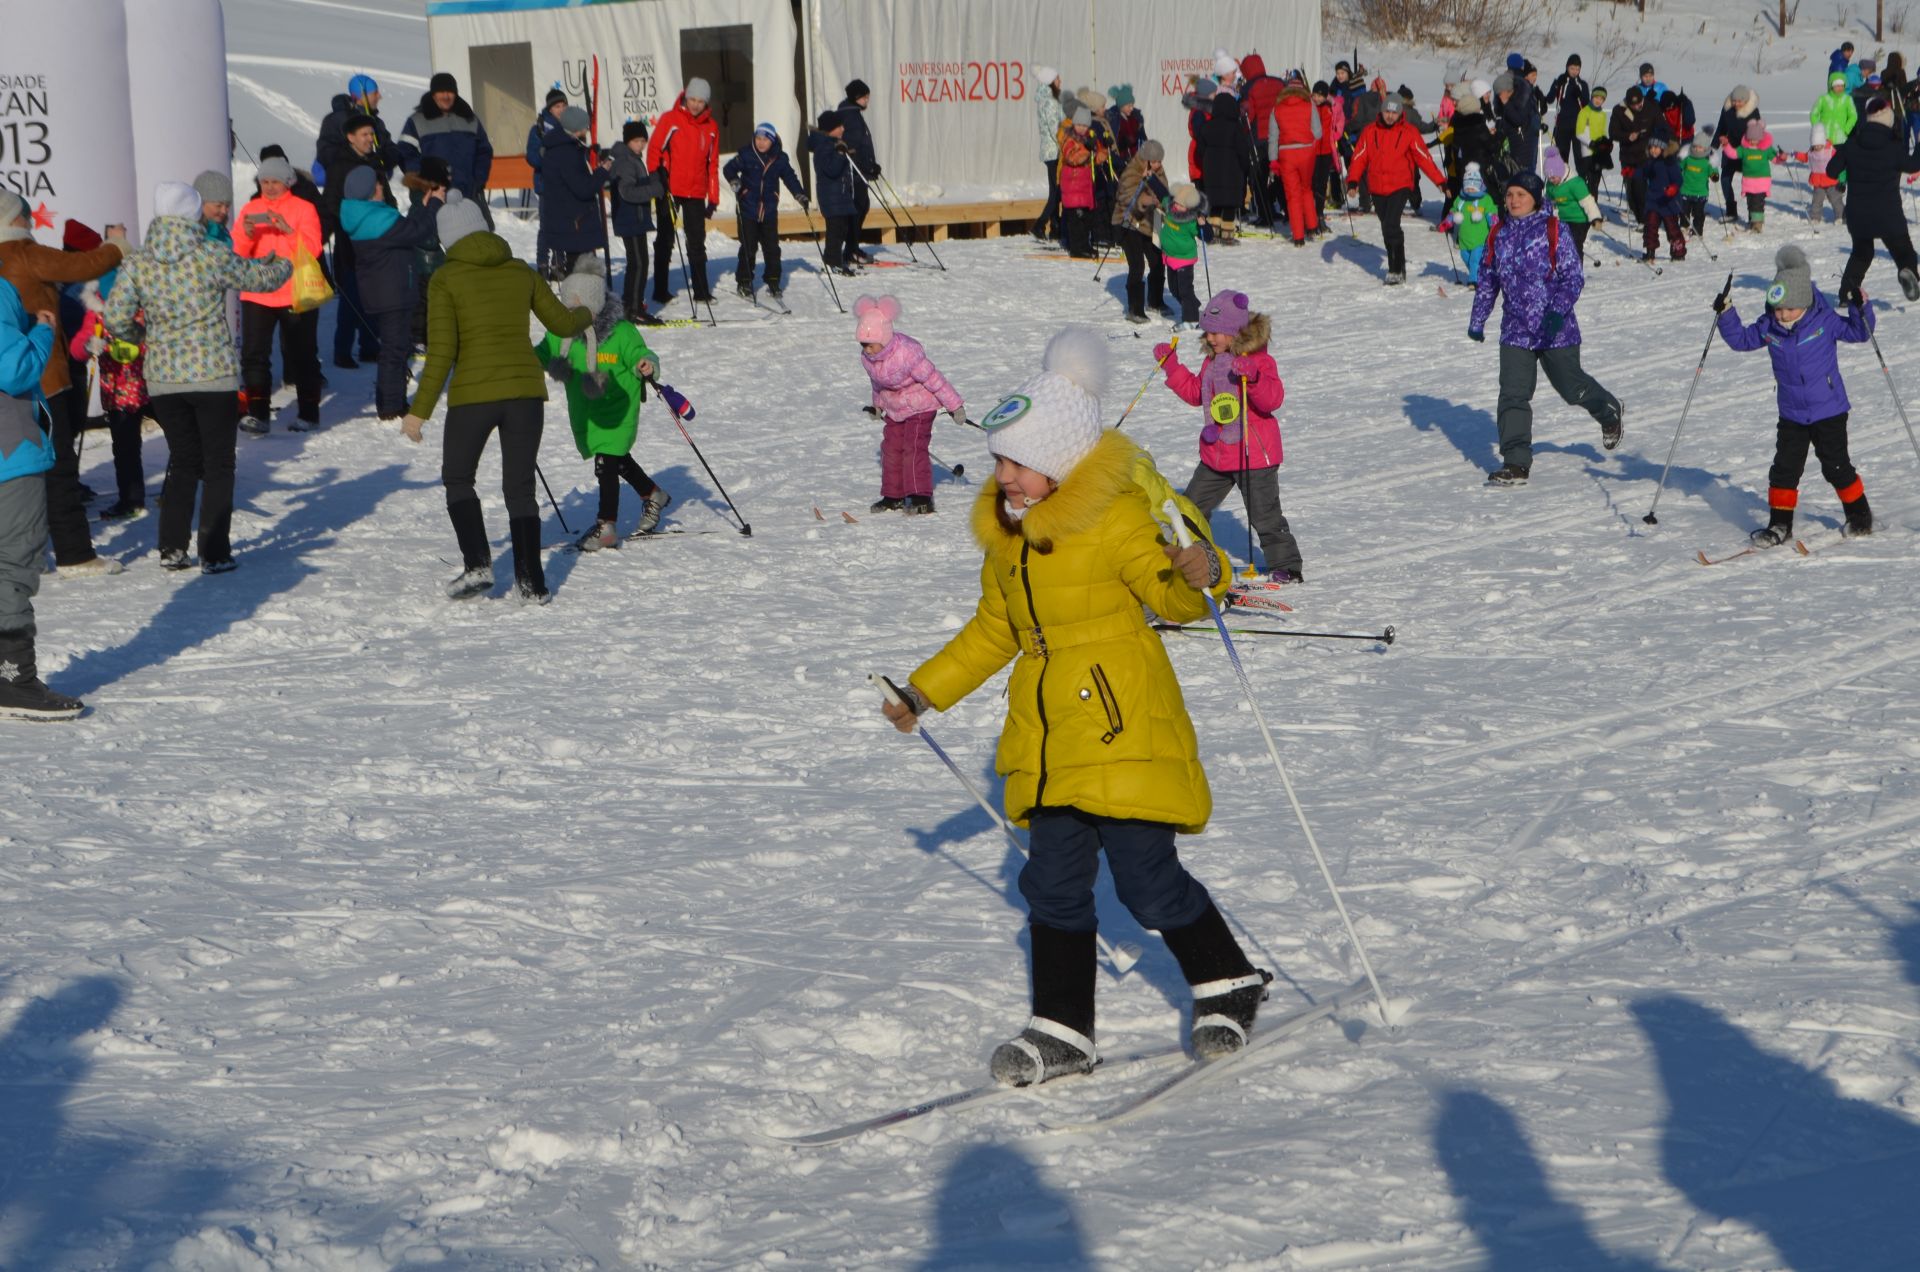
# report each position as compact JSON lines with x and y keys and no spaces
{"x":1080,"y":355}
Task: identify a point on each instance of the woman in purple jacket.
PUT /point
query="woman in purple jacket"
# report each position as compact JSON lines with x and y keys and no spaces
{"x":1534,"y":268}
{"x":1801,"y":331}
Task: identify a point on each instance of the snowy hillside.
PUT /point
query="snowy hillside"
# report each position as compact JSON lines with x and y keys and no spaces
{"x":356,"y":930}
{"x":287,"y":58}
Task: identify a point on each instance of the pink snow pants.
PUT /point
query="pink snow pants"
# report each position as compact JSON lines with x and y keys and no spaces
{"x":905,"y":467}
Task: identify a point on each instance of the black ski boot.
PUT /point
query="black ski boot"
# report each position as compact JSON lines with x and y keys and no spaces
{"x":470,"y":531}
{"x":1227,"y":991}
{"x":1778,"y":530}
{"x":887,"y":505}
{"x":918,"y":505}
{"x":1859,"y":518}
{"x":1058,"y":1039}
{"x":529,"y":573}
{"x":23,"y":696}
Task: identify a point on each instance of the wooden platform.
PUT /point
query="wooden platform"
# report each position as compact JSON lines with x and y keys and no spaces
{"x":933,"y":222}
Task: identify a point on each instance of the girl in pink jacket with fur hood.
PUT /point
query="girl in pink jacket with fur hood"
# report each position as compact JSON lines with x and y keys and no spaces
{"x":1238,"y":391}
{"x":907,"y":392}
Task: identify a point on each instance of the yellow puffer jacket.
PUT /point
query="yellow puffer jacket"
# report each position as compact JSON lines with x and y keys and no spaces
{"x":1095,"y":719}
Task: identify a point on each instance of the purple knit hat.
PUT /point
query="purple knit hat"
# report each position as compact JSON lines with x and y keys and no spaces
{"x":1226,"y":313}
{"x":1556,"y":167}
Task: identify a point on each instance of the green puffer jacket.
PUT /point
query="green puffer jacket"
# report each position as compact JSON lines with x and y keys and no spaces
{"x":181,"y":279}
{"x":604,"y":425}
{"x":477,"y":307}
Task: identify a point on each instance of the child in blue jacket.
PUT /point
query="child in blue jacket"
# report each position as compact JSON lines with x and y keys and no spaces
{"x":26,"y":342}
{"x":755,"y":175}
{"x":1801,"y":331}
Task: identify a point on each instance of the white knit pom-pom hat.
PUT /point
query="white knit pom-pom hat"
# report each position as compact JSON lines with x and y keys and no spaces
{"x":1051,"y":422}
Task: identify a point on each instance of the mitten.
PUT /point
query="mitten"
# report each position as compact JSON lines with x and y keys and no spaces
{"x":1476,"y":335}
{"x":559,"y":369}
{"x":1246,"y":367}
{"x":594,"y":385}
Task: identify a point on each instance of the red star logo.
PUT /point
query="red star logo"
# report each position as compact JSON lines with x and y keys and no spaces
{"x":42,"y":218}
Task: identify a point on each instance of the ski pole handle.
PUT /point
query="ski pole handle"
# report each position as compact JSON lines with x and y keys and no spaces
{"x":1180,"y":531}
{"x":889,"y":689}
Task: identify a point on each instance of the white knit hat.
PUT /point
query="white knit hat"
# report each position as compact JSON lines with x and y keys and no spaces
{"x":1224,"y":64}
{"x":176,"y":198}
{"x":1051,"y":422}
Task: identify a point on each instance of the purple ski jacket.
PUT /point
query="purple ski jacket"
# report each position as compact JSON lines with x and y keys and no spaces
{"x":1516,"y":267}
{"x":1806,"y":358}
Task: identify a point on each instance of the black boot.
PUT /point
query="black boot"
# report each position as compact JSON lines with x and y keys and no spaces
{"x":22,"y":695}
{"x":470,"y":530}
{"x":1227,"y":991}
{"x":1059,"y":1038}
{"x":1859,"y":518}
{"x":529,"y":574}
{"x":1778,"y":530}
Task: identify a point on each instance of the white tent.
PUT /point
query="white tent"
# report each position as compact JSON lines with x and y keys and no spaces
{"x":102,"y":104}
{"x":953,"y":110}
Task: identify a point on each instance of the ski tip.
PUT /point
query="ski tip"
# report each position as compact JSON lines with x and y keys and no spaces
{"x":849,"y":518}
{"x":1701,"y":557}
{"x":817,"y":514}
{"x":1802,"y":548}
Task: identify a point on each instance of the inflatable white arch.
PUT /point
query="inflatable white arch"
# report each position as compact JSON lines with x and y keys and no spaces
{"x":101,"y":105}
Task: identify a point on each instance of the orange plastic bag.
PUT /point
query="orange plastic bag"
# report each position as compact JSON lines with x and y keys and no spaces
{"x":310,"y":290}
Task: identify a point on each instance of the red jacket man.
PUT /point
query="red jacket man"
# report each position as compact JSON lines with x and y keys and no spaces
{"x":1258,"y":95}
{"x":686,"y":144}
{"x":1389,"y":152}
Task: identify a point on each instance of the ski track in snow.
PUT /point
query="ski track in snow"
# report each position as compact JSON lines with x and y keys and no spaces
{"x":353,"y":929}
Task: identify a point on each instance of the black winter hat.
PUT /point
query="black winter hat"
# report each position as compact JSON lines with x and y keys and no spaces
{"x":856,"y":89}
{"x":1320,"y":87}
{"x":1646,"y":68}
{"x":273,"y":150}
{"x":355,"y":122}
{"x":1405,"y":92}
{"x":555,"y":98}
{"x":434,"y":171}
{"x":442,"y":82}
{"x":830,"y":120}
{"x":633,"y":128}
{"x":1531,"y":183}
{"x":1573,"y":60}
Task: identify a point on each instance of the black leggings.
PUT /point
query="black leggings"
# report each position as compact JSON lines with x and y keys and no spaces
{"x":129,"y":472}
{"x":468,"y":427}
{"x":633,"y":291}
{"x":201,"y":429}
{"x":1146,"y":271}
{"x":299,"y":347}
{"x":1828,"y":440}
{"x":1388,"y":208}
{"x":611,"y":470}
{"x":1896,"y":236}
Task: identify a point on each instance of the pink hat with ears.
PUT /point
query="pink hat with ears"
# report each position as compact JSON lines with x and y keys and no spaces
{"x":876,"y":315}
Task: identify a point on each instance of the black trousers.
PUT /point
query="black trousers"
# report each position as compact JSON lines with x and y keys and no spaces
{"x":1180,"y":282}
{"x":1895,"y":235}
{"x":395,"y":329}
{"x":1637,"y":194}
{"x":1729,"y":187}
{"x":67,"y":523}
{"x":1325,"y":188}
{"x":838,"y":230}
{"x":129,"y":472}
{"x":693,"y":229}
{"x":1388,"y":208}
{"x":633,"y":288}
{"x":610,"y":471}
{"x":1146,"y":271}
{"x":1049,"y":223}
{"x":200,"y":430}
{"x":1079,"y":231}
{"x":519,"y":421}
{"x":763,"y":236}
{"x":1828,"y":440}
{"x":350,"y":318}
{"x":299,"y":343}
{"x":862,"y":204}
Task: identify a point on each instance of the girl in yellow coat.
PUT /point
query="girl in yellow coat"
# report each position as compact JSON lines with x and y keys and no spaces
{"x":1098,"y":752}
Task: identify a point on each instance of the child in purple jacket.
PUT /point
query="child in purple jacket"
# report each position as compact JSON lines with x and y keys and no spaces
{"x":1801,"y":331}
{"x":907,"y":391}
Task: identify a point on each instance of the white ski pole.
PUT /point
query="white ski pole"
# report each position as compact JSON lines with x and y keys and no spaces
{"x":1124,"y":955}
{"x":1185,"y":537}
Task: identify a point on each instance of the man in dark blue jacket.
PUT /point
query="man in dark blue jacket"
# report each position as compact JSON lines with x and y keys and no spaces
{"x":359,"y":152}
{"x":755,"y":175}
{"x":386,"y":246}
{"x":444,"y":126}
{"x":859,"y":139}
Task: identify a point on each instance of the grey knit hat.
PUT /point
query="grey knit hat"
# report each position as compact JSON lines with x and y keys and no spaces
{"x":1153,"y":152}
{"x":575,"y":120}
{"x":1082,"y":117}
{"x":586,"y":287}
{"x":276,"y":169}
{"x":1503,"y":82}
{"x":12,"y":207}
{"x":699,"y":88}
{"x":1792,"y":280}
{"x":358,"y":184}
{"x":458,"y":217}
{"x":214,"y":187}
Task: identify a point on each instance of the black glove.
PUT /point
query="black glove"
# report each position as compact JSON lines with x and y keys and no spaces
{"x":594,"y":386}
{"x":840,"y":148}
{"x":876,"y":170}
{"x":559,"y":370}
{"x":1721,"y":303}
{"x":711,"y":209}
{"x":806,"y":205}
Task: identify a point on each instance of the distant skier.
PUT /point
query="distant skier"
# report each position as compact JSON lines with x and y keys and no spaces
{"x":1098,"y":751}
{"x":907,"y":391}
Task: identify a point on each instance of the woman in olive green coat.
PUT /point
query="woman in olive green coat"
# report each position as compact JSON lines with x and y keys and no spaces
{"x":477,"y":308}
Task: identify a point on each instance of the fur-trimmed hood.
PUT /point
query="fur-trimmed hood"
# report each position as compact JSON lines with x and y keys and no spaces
{"x":1253,"y":337}
{"x":1076,"y":506}
{"x":430,"y":109}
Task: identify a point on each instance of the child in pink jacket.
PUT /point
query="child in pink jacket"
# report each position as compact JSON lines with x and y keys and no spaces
{"x":907,"y":390}
{"x":1239,"y":392}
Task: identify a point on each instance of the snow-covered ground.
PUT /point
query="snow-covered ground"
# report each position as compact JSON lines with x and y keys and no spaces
{"x":356,"y":930}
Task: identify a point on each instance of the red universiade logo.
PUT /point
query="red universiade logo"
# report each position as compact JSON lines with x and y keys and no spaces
{"x":1176,"y":71}
{"x":962,"y":81}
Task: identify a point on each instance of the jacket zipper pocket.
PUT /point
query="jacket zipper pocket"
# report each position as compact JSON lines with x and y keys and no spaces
{"x":1040,"y":685}
{"x":1110,"y":701}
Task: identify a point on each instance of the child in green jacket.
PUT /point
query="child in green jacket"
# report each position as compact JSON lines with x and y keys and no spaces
{"x":1697,"y":172}
{"x":1180,"y":249}
{"x":605,"y":373}
{"x":1472,"y":218}
{"x":1573,"y":200}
